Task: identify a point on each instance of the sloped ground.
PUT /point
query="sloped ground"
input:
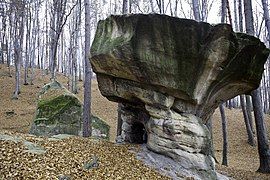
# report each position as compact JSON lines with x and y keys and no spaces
{"x":16,"y":116}
{"x":72,"y":158}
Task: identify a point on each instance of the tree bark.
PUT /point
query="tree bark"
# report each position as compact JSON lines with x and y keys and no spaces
{"x":87,"y":127}
{"x":223,"y":11}
{"x":266,"y":17}
{"x":224,"y":133}
{"x":240,"y":14}
{"x":18,"y":44}
{"x":249,"y":112}
{"x":263,"y":146}
{"x":247,"y":123}
{"x":196,"y":11}
{"x":125,"y":7}
{"x":235,"y":15}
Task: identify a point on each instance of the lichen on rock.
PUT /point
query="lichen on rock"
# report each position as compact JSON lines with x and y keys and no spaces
{"x":58,"y":112}
{"x":169,"y":75}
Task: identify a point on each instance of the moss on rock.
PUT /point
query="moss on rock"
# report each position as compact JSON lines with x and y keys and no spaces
{"x":58,"y":112}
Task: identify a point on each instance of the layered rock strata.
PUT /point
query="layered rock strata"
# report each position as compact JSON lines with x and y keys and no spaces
{"x":169,"y":75}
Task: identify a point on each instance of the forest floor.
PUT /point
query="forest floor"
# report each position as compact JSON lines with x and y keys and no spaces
{"x":16,"y":117}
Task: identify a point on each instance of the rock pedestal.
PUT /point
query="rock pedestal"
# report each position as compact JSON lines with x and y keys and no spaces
{"x":170,"y":74}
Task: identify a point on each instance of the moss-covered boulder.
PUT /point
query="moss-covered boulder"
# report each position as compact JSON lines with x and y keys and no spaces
{"x":58,"y":112}
{"x":169,"y":75}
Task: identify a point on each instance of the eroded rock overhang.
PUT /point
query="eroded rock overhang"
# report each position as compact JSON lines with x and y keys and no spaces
{"x":169,"y":75}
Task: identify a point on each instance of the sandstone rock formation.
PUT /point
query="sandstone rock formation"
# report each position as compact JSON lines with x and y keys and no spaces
{"x":169,"y":75}
{"x":58,"y":112}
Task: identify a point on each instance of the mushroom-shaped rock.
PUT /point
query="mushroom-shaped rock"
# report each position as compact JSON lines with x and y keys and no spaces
{"x":169,"y":75}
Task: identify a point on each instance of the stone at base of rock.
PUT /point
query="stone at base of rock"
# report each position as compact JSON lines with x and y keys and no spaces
{"x":169,"y":167}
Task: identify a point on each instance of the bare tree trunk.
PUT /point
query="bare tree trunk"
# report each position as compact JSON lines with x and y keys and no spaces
{"x":236,"y":27}
{"x":196,"y":10}
{"x":87,"y":127}
{"x":125,"y":7}
{"x":229,"y":11}
{"x":18,"y":43}
{"x":247,"y":123}
{"x":240,"y":16}
{"x":27,"y":47}
{"x":17,"y":58}
{"x":33,"y":46}
{"x":223,"y":10}
{"x":175,"y":8}
{"x":58,"y":20}
{"x":266,"y":17}
{"x":263,"y":146}
{"x":152,"y":6}
{"x":248,"y":100}
{"x":224,"y":133}
{"x":249,"y":112}
{"x":11,"y":31}
{"x":249,"y":17}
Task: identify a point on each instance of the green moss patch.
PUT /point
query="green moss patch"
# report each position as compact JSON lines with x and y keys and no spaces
{"x":50,"y":109}
{"x":99,"y":124}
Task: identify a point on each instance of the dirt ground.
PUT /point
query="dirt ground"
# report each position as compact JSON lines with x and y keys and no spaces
{"x":16,"y":116}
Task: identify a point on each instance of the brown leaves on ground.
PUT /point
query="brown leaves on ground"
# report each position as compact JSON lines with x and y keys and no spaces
{"x":67,"y":158}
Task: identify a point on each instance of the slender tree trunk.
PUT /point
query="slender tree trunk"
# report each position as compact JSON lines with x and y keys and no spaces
{"x":33,"y":48}
{"x":229,"y":12}
{"x":87,"y":127}
{"x":18,"y":49}
{"x":247,"y":97}
{"x":249,"y":112}
{"x":249,"y":17}
{"x":236,"y":27}
{"x":263,"y":146}
{"x":152,"y":6}
{"x":266,"y":17}
{"x":196,"y":10}
{"x":11,"y":31}
{"x":240,"y":15}
{"x":17,"y":68}
{"x":247,"y":123}
{"x":223,"y":11}
{"x":125,"y":7}
{"x":28,"y":27}
{"x":224,"y":133}
{"x":175,"y":8}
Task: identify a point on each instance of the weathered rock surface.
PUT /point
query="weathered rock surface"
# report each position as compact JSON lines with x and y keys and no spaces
{"x":29,"y":146}
{"x":169,"y":75}
{"x":100,"y":129}
{"x":168,"y":166}
{"x":58,"y":112}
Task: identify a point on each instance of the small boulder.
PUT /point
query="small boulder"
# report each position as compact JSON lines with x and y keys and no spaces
{"x":58,"y":112}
